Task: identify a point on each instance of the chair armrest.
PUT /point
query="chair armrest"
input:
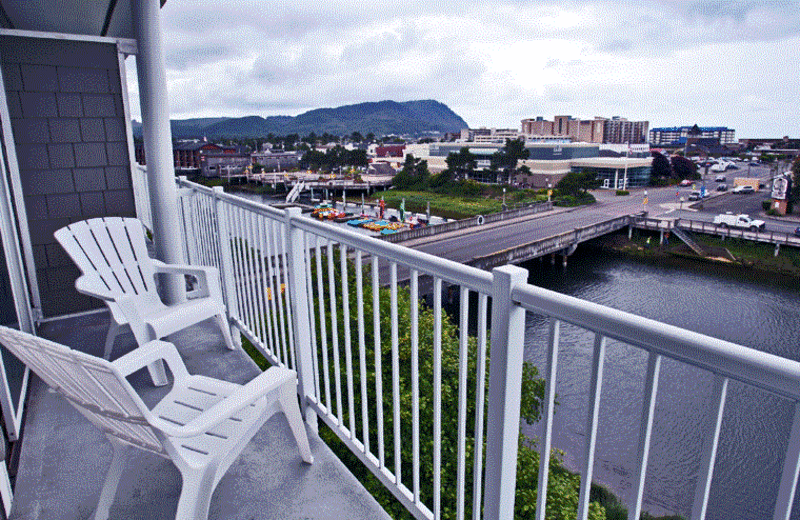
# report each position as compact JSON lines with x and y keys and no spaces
{"x":207,"y":276}
{"x":147,"y":354}
{"x":92,"y":285}
{"x":200,"y":271}
{"x":246,"y":395}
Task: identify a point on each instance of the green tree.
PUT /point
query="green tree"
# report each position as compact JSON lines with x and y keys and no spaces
{"x":576,"y":184}
{"x":357,"y":158}
{"x":461,"y":164}
{"x":684,"y":168}
{"x":413,"y":176}
{"x":661,"y":167}
{"x":506,"y":158}
{"x":794,"y":193}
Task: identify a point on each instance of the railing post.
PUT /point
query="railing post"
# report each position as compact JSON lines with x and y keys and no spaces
{"x":505,"y":388}
{"x":295,"y":242}
{"x":226,"y":257}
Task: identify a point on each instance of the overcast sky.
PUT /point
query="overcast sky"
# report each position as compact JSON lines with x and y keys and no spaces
{"x":494,"y":62}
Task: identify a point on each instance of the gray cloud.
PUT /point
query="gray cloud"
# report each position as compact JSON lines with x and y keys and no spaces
{"x":495,"y":62}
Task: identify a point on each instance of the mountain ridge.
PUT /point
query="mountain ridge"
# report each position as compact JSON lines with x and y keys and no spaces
{"x":379,"y":117}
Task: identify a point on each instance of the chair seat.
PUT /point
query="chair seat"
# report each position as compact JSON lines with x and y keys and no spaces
{"x":196,"y":395}
{"x":168,"y":320}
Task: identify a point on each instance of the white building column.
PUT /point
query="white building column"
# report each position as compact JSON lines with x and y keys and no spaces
{"x":157,"y":134}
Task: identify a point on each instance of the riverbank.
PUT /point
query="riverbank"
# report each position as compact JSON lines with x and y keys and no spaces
{"x":732,"y":254}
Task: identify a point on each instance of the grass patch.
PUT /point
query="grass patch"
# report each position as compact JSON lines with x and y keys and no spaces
{"x":456,"y":206}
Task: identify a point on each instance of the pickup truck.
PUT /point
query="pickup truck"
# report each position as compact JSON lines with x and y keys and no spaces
{"x":739,"y":221}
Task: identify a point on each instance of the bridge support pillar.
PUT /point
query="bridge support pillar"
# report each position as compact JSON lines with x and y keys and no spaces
{"x":777,"y":249}
{"x":661,"y":238}
{"x":630,"y":232}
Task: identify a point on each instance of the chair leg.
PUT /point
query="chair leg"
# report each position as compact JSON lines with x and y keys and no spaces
{"x":226,"y":330}
{"x":288,"y":401}
{"x":198,"y":486}
{"x":113,"y":331}
{"x":158,"y":373}
{"x":112,"y":481}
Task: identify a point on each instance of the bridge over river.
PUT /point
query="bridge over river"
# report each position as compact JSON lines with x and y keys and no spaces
{"x":558,"y":231}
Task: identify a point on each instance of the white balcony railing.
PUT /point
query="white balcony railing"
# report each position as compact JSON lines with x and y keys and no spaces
{"x":326,"y":301}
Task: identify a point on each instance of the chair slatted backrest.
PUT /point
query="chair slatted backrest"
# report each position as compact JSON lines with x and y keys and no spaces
{"x":114,"y":249}
{"x":91,"y":384}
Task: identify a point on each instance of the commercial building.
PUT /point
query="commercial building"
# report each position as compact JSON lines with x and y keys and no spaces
{"x":226,"y":162}
{"x":598,"y":130}
{"x":548,"y":163}
{"x":190,"y":157}
{"x":276,"y":161}
{"x":544,"y":151}
{"x":617,"y":173}
{"x":678,"y":135}
{"x":488,"y":135}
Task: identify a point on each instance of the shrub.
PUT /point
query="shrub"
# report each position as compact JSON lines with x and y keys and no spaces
{"x":570,"y":200}
{"x":766,"y":204}
{"x":622,"y":192}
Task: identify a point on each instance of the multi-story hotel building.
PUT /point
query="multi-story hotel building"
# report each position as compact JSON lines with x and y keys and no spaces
{"x":616,"y":130}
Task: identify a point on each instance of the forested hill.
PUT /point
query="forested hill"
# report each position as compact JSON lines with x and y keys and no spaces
{"x":379,"y":118}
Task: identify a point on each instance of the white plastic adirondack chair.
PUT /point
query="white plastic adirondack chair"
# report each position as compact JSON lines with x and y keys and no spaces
{"x":112,"y":255}
{"x":202,"y":424}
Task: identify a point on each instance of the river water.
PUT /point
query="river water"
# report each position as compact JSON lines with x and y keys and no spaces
{"x":753,"y":310}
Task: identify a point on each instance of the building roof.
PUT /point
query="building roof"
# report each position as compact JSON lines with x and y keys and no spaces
{"x":612,"y":162}
{"x":90,"y":17}
{"x":195,"y":145}
{"x":687,"y":127}
{"x":381,"y":168}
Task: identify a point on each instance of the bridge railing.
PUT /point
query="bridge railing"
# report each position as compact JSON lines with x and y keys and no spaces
{"x":408,"y":387}
{"x":709,"y":228}
{"x":774,"y":237}
{"x":553,"y":244}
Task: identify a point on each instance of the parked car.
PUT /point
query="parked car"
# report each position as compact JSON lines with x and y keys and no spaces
{"x":695,"y":195}
{"x":686,"y":182}
{"x":744,"y":189}
{"x":720,"y":178}
{"x":740,"y":221}
{"x":722,"y":187}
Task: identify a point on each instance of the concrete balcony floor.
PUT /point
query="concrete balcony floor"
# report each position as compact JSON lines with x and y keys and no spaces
{"x":64,"y":458}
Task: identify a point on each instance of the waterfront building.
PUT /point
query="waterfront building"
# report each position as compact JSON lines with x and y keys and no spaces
{"x":276,"y":160}
{"x":227,"y":162}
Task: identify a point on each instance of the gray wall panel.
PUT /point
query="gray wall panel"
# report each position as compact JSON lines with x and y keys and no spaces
{"x":65,"y":101}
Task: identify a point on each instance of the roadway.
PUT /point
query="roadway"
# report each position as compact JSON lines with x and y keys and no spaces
{"x":462,"y":246}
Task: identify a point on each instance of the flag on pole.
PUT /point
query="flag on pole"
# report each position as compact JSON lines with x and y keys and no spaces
{"x":402,"y":210}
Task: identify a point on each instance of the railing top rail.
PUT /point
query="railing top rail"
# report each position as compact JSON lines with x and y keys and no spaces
{"x":767,"y":371}
{"x":235,"y":200}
